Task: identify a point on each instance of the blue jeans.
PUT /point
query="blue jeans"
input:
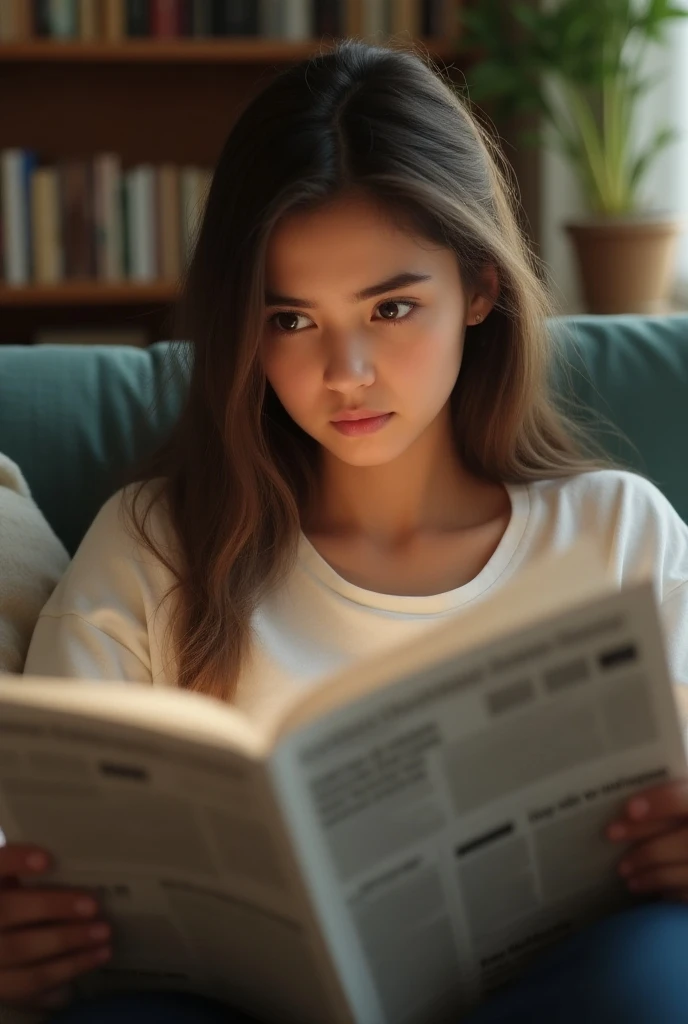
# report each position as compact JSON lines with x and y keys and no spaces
{"x":628,"y":969}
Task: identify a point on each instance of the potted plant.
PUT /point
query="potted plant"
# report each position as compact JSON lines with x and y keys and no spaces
{"x":580,"y":65}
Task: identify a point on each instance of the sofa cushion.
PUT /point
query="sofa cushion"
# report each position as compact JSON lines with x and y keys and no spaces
{"x":77,"y":418}
{"x":627,"y":377}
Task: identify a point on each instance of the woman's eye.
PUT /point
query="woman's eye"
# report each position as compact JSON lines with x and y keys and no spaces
{"x":389,"y":310}
{"x":287,"y":322}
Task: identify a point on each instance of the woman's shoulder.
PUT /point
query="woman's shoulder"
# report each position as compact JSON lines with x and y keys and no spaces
{"x":114,"y":528}
{"x":636,"y":524}
{"x":114,"y":561}
{"x":611,"y":492}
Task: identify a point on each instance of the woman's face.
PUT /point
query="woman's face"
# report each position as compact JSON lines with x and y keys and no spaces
{"x":341,"y":334}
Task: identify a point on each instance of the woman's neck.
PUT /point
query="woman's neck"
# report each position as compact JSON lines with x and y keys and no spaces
{"x":425,"y":491}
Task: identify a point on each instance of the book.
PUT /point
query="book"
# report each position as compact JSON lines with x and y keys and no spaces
{"x":46,"y":228}
{"x":90,"y":12}
{"x":406,"y":18}
{"x":236,"y":17}
{"x":328,"y":17}
{"x":165,"y":19}
{"x":377,"y":19}
{"x":77,"y":218}
{"x":138,"y":18}
{"x":141,"y":229}
{"x":62,"y":17}
{"x":394,"y":843}
{"x":114,"y":20}
{"x":107,"y":184}
{"x":298,"y":19}
{"x":202,"y":18}
{"x":15,"y":169}
{"x":169,"y":236}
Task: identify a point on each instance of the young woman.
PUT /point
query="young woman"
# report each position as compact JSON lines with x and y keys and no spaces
{"x":368,"y":446}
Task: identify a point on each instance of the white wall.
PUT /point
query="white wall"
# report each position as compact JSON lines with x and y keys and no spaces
{"x":666,"y":185}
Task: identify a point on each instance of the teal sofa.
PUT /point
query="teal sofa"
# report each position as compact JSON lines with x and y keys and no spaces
{"x":76,"y":419}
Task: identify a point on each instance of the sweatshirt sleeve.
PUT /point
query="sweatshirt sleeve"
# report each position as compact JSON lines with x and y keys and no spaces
{"x":97,"y":623}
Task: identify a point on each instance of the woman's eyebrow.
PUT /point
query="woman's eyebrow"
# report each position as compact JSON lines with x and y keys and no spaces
{"x":398,"y":281}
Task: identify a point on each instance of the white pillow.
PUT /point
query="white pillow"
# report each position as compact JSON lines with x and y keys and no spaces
{"x":32,"y":560}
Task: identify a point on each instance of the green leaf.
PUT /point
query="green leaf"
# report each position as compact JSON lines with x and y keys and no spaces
{"x":642,"y":163}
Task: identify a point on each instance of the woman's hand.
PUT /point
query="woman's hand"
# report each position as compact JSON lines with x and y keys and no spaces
{"x":656,"y":823}
{"x":48,"y":937}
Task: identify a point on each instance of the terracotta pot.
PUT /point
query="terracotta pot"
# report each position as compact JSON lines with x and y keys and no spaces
{"x":626,"y":264}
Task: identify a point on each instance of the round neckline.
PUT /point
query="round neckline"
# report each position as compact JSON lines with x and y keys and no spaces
{"x":316,"y":566}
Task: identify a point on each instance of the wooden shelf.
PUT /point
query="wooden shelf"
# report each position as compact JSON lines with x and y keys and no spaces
{"x":88,"y":293}
{"x":244,"y":50}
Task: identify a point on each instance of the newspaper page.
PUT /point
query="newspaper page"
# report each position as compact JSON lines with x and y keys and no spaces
{"x":182,"y":843}
{"x":454,"y":822}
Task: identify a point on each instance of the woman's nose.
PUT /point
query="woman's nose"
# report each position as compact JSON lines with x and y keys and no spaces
{"x":349,"y":364}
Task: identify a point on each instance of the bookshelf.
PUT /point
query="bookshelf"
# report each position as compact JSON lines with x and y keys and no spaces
{"x":152,"y":101}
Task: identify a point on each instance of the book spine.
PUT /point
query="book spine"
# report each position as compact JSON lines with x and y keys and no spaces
{"x":114,"y":21}
{"x":76,"y":193}
{"x":63,"y":20}
{"x":114,"y":242}
{"x":375,"y":23}
{"x":202,"y":18}
{"x":164,"y":21}
{"x":15,"y":217}
{"x":448,"y":19}
{"x":142,"y":224}
{"x":406,"y":17}
{"x":138,"y":18}
{"x":298,"y":22}
{"x":169,"y":223}
{"x":271,"y":20}
{"x":353,"y":18}
{"x":184,"y":18}
{"x":46,"y":227}
{"x":8,"y":28}
{"x":125,"y":221}
{"x":41,"y":18}
{"x":24,"y":19}
{"x":327,"y":16}
{"x":89,"y":19}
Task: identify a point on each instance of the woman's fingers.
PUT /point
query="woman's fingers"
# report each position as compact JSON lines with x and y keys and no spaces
{"x":669,"y":800}
{"x":659,"y":863}
{"x":19,"y":859}
{"x":20,"y":907}
{"x":23,"y":984}
{"x":634,"y":831}
{"x":664,"y":878}
{"x":31,"y":945}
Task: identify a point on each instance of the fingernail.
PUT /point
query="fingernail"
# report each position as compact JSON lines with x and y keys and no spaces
{"x":99,"y":931}
{"x":85,"y":907}
{"x":638,"y":808}
{"x":36,"y":861}
{"x":624,"y":868}
{"x":102,"y":954}
{"x":617,"y":831}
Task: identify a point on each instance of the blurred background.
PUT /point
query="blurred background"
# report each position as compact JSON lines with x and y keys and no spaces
{"x":113,"y":113}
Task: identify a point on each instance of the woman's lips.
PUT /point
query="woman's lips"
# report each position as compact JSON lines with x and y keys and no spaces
{"x":368,"y":425}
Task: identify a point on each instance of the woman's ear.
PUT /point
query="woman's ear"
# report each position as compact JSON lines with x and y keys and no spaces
{"x":484,"y":295}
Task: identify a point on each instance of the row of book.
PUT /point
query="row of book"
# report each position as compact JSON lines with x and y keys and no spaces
{"x":92,"y":219}
{"x":114,"y":20}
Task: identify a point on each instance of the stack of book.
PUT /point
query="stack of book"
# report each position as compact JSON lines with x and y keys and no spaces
{"x":114,"y":20}
{"x":90,"y":219}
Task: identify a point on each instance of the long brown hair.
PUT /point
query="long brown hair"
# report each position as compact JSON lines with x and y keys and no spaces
{"x":237,"y":470}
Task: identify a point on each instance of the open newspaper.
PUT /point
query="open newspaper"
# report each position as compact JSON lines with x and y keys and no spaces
{"x":405,"y":839}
